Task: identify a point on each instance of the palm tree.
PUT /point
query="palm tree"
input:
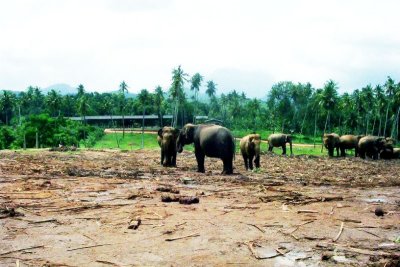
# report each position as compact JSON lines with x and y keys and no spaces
{"x":145,"y":99}
{"x":328,"y":99}
{"x":211,"y":89}
{"x":83,"y":108}
{"x":7,"y":102}
{"x":53,"y":102}
{"x":196,"y":81}
{"x":176,"y":91}
{"x":158,"y":100}
{"x":81,"y":91}
{"x":390,"y":87}
{"x":379,"y":105}
{"x":123,"y":88}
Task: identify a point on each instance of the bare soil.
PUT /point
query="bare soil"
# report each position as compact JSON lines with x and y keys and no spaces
{"x":104,"y":208}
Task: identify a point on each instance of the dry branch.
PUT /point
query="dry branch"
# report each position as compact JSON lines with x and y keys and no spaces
{"x":22,"y":249}
{"x":340,"y":232}
{"x":181,"y":237}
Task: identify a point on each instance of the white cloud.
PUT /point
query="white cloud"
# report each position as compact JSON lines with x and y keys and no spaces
{"x":100,"y":43}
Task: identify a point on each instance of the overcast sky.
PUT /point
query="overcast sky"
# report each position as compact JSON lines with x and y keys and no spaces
{"x":245,"y":45}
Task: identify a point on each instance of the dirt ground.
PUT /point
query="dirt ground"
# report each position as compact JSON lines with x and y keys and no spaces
{"x":104,"y":208}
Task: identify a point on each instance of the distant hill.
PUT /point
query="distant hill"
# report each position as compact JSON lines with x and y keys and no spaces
{"x":62,"y":88}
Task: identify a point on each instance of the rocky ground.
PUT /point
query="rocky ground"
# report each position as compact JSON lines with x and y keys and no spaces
{"x":104,"y":208}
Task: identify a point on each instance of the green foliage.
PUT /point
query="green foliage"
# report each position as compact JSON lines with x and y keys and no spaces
{"x":7,"y":137}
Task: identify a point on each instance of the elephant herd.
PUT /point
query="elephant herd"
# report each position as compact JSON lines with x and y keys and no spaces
{"x":364,"y":146}
{"x":218,"y":142}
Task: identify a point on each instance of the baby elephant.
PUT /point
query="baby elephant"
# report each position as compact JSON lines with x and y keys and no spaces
{"x":250,"y":148}
{"x":166,"y":138}
{"x":280,"y":140}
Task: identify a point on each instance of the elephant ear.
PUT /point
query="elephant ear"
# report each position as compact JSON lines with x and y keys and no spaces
{"x":189,"y":132}
{"x":160,"y":132}
{"x":251,"y":138}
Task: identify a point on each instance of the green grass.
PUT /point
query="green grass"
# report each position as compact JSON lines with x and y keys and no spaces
{"x":133,"y":141}
{"x":297,"y":138}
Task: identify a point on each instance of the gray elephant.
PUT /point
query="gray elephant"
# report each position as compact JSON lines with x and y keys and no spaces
{"x":166,"y":138}
{"x":349,"y":141}
{"x":332,"y":141}
{"x":250,"y":149}
{"x":209,"y":140}
{"x":280,"y":140}
{"x":372,"y":146}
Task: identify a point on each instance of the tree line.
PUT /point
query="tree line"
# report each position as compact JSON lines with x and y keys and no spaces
{"x":288,"y":107}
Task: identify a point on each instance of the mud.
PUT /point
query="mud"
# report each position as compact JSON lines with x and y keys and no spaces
{"x":102,"y":208}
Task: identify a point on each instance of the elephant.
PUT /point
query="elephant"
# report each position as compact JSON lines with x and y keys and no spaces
{"x":250,"y":148}
{"x":280,"y":140}
{"x":167,"y":140}
{"x":371,"y":146}
{"x":332,"y":141}
{"x":349,"y":141}
{"x":209,"y":140}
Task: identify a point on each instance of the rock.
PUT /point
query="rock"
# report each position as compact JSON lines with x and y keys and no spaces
{"x":169,"y":198}
{"x":379,"y":212}
{"x":189,"y":200}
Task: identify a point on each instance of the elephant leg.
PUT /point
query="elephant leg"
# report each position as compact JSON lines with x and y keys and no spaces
{"x":246,"y":162}
{"x":270,"y":148}
{"x":251,"y":162}
{"x":200,"y":161}
{"x":174,"y":159}
{"x":257,"y":161}
{"x":337,"y":151}
{"x":356,"y":152}
{"x":362,"y":154}
{"x":330,"y":152}
{"x":162,"y":157}
{"x":342,"y":152}
{"x":228,"y":167}
{"x":284,"y":149}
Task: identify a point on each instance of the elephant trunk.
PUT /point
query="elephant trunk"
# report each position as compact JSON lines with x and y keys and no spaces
{"x":291,"y":150}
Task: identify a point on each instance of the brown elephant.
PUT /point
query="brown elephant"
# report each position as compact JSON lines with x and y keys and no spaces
{"x":332,"y":141}
{"x":209,"y":140}
{"x":372,"y":146}
{"x":250,"y":149}
{"x":166,"y":138}
{"x":280,"y":140}
{"x":349,"y":141}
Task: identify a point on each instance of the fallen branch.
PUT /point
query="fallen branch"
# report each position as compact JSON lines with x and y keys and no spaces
{"x":340,"y":232}
{"x":107,"y":262}
{"x":100,"y":245}
{"x":256,"y":226}
{"x":258,"y":257}
{"x":44,"y":221}
{"x":181,"y":237}
{"x":307,"y":211}
{"x":22,"y":249}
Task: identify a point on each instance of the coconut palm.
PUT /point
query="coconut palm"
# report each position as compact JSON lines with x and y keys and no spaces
{"x":390,"y":89}
{"x":158,"y":101}
{"x":211,"y":89}
{"x":196,"y":81}
{"x":176,"y":91}
{"x":123,"y":88}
